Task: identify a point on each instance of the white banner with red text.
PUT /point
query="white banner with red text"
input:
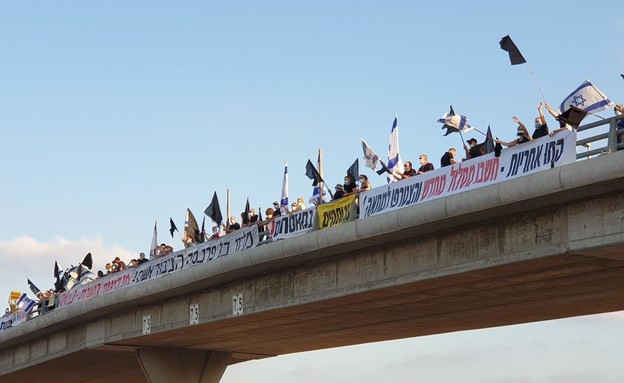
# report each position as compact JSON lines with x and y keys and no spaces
{"x":516,"y":161}
{"x":234,"y":242}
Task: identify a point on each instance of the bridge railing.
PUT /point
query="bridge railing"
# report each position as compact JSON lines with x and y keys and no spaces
{"x":606,"y":133}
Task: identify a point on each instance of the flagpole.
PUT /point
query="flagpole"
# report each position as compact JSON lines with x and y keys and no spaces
{"x":179,"y":235}
{"x":227,"y":209}
{"x":536,"y":81}
{"x":321,"y":183}
{"x":462,"y":138}
{"x":485,"y":134}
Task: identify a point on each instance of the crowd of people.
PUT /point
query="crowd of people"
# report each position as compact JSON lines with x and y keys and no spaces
{"x":472,"y":149}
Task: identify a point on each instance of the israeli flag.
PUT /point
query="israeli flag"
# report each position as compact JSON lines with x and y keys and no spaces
{"x":284,"y":200}
{"x":25,"y":303}
{"x":456,"y":121}
{"x":586,"y":97}
{"x":316,"y":196}
{"x":395,"y":165}
{"x":370,"y":156}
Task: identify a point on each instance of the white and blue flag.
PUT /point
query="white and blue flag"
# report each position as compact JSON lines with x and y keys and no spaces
{"x":370,"y":156}
{"x":454,"y":122}
{"x":586,"y":97}
{"x":25,"y":303}
{"x":395,"y":165}
{"x":284,"y":200}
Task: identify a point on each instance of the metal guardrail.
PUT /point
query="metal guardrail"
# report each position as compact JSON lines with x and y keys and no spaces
{"x":610,"y":134}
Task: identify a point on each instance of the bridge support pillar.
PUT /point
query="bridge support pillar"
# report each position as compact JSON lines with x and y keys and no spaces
{"x":182,"y":366}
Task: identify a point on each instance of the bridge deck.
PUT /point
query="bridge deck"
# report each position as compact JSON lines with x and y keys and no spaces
{"x":546,"y":246}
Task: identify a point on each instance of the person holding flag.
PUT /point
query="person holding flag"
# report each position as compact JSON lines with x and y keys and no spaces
{"x":541,"y":127}
{"x":395,"y":164}
{"x":522,"y":133}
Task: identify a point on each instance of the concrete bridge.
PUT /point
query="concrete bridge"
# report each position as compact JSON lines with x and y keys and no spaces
{"x":544,"y":246}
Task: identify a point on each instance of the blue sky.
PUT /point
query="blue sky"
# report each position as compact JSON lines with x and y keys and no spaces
{"x":116,"y":114}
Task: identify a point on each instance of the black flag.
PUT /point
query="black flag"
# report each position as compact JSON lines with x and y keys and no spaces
{"x":572,"y":116}
{"x":202,"y":235}
{"x":58,"y":284}
{"x":515,"y":56}
{"x":57,"y":270}
{"x":247,"y":210}
{"x":87,"y":261}
{"x":213,"y":211}
{"x":33,"y":288}
{"x":498,"y":149}
{"x":384,"y":168}
{"x":488,"y":145}
{"x":173,"y":227}
{"x":191,"y":229}
{"x":313,"y":174}
{"x":489,"y":141}
{"x":354,"y":170}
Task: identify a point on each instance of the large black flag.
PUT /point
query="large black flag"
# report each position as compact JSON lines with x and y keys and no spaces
{"x":33,"y":288}
{"x":354,"y":170}
{"x":173,"y":227}
{"x":87,"y":261}
{"x":191,"y":228}
{"x":58,"y":284}
{"x":313,"y":174}
{"x":213,"y":211}
{"x":515,"y":56}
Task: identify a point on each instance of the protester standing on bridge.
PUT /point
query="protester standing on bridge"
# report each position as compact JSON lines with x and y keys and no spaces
{"x":164,"y":249}
{"x":233,"y":225}
{"x":364,"y":183}
{"x":522,"y":133}
{"x":349,"y":185}
{"x":253,"y":217}
{"x":474,"y":151}
{"x":448,"y":158}
{"x":408,"y":172}
{"x":121,"y":265}
{"x":541,"y":128}
{"x":339,"y":193}
{"x":142,"y":259}
{"x":562,"y":125}
{"x":276,"y":209}
{"x":425,"y":165}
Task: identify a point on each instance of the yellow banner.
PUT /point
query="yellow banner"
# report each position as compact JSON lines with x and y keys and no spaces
{"x":337,"y":212}
{"x":15,"y":295}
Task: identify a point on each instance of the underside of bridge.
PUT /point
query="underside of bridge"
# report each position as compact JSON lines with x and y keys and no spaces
{"x":550,"y":257}
{"x":555,"y":287}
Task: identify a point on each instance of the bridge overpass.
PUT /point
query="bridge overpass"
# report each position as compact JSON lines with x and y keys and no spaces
{"x":545,"y":246}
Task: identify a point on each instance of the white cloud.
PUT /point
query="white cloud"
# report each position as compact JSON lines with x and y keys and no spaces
{"x":25,"y":257}
{"x":582,"y":376}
